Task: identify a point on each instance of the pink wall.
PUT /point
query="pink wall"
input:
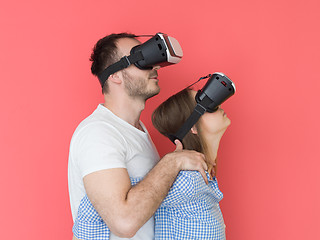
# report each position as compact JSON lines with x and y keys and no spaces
{"x":269,"y":157}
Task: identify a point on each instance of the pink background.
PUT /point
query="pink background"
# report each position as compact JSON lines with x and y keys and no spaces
{"x":269,"y":157}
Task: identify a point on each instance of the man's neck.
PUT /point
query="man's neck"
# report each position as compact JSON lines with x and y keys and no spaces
{"x":126,"y":108}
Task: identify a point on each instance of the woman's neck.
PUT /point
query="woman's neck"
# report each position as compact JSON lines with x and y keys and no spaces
{"x":211,"y":149}
{"x":211,"y":146}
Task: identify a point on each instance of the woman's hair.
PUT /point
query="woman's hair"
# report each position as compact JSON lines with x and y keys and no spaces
{"x":172,"y":113}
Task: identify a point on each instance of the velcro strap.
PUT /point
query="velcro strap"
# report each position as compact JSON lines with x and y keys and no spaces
{"x":123,"y":63}
{"x":198,"y":111}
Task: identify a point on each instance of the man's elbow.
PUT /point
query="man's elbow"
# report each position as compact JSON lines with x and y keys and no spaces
{"x":124,"y":228}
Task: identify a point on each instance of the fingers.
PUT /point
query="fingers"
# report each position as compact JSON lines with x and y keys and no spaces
{"x":204,"y":175}
{"x":199,"y":164}
{"x":203,"y":168}
{"x":202,"y":171}
{"x":202,"y":159}
{"x":179,"y":146}
{"x":204,"y":164}
{"x":212,"y":173}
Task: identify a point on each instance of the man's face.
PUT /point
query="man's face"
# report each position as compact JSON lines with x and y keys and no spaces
{"x":138,"y":83}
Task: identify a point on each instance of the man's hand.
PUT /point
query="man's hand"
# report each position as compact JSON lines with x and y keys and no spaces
{"x":189,"y":160}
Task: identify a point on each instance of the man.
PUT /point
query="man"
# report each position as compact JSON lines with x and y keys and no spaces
{"x":116,"y":181}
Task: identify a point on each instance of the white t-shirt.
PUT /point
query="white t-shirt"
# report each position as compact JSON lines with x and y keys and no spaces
{"x":105,"y":141}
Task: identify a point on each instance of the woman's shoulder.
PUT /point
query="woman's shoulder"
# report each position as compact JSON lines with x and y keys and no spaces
{"x":195,"y":176}
{"x":190,"y":181}
{"x":182,"y":189}
{"x":195,"y":181}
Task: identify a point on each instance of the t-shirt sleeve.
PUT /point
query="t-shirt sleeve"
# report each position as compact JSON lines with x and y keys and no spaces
{"x":99,"y":146}
{"x":182,"y":190}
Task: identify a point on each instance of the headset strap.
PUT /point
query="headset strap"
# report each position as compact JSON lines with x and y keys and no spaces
{"x":198,"y":111}
{"x":123,"y":63}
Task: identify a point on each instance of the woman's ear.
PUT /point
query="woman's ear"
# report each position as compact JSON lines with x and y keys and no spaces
{"x":194,"y":130}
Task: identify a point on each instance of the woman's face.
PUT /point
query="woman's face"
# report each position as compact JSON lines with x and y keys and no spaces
{"x":213,"y":123}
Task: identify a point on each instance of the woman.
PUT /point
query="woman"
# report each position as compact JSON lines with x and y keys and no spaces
{"x":191,"y":209}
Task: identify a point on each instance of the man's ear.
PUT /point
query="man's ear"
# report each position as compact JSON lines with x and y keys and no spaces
{"x":194,"y":130}
{"x":115,"y":77}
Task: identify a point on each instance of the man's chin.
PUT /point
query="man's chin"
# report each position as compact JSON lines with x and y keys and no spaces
{"x":157,"y":91}
{"x":153,"y":93}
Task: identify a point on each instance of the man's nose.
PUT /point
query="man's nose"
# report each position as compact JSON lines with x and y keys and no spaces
{"x":156,"y":67}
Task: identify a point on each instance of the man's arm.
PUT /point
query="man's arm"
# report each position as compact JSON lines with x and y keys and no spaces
{"x":125,"y":209}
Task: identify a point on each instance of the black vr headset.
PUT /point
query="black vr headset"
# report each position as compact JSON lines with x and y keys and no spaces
{"x":160,"y":50}
{"x":217,"y":90}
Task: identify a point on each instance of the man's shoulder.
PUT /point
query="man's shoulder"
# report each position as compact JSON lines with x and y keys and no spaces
{"x":97,"y":128}
{"x":96,"y":120}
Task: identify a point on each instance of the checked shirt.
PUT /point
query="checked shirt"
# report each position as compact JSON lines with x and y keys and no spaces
{"x":191,"y":210}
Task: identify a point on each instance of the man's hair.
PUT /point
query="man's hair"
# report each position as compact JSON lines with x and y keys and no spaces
{"x":105,"y":53}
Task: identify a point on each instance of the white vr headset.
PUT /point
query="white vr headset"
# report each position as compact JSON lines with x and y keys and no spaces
{"x":161,"y":50}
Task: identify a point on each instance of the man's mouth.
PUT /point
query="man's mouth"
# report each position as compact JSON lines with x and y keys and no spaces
{"x":153,"y":75}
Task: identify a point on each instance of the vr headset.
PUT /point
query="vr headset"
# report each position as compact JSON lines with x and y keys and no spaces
{"x":217,"y":90}
{"x":161,"y":50}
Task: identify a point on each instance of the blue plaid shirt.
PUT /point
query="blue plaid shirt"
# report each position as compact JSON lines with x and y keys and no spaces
{"x":191,"y":210}
{"x":89,"y":225}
